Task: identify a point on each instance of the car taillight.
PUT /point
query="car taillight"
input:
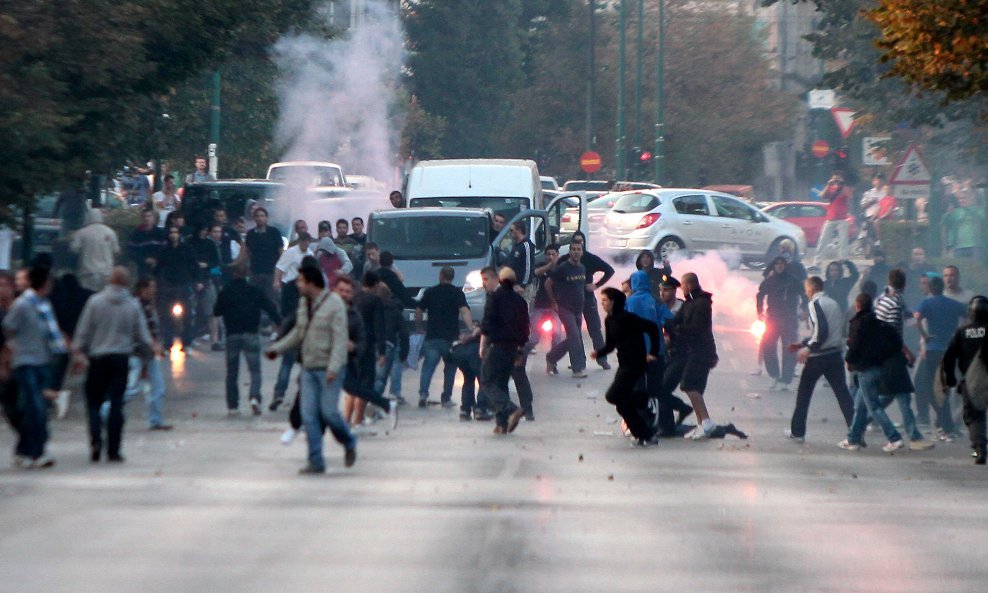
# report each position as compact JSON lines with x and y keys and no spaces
{"x":566,"y":218}
{"x":648,"y":220}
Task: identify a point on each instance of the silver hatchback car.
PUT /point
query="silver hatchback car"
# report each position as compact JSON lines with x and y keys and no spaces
{"x":667,"y":220}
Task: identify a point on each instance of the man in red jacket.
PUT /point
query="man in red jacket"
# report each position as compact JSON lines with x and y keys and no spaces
{"x":837,"y":195}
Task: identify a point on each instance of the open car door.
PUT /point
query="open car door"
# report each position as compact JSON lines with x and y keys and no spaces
{"x":567,"y":213}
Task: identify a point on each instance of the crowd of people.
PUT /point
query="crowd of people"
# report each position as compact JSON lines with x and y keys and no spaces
{"x":333,"y":304}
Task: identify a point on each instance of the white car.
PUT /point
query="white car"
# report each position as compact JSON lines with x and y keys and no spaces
{"x":667,"y":220}
{"x":308,"y":173}
{"x":549,"y":183}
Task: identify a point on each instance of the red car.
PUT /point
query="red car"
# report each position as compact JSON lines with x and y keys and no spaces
{"x":808,"y":216}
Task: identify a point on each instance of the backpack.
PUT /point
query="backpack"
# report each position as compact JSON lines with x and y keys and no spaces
{"x":976,"y":380}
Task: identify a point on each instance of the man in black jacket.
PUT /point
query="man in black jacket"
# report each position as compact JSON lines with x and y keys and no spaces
{"x":504,"y":333}
{"x":591,"y":315}
{"x":625,"y":333}
{"x":240,"y":306}
{"x":870,"y":343}
{"x":779,"y":297}
{"x":967,"y":343}
{"x":694,"y":330}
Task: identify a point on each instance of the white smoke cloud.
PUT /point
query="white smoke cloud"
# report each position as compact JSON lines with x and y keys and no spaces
{"x":337,"y":103}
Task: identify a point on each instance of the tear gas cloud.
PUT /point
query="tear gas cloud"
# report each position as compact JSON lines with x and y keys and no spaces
{"x":336,"y":104}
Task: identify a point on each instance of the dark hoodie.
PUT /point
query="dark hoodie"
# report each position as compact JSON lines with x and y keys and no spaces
{"x":693,"y":326}
{"x":779,"y":295}
{"x":506,"y":316}
{"x":627,"y":333}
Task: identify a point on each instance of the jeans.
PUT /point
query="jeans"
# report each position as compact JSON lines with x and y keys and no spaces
{"x":824,"y":247}
{"x":923,"y":380}
{"x":265,"y":283}
{"x":288,"y":360}
{"x":866,"y":402}
{"x":830,"y":366}
{"x":250,"y":345}
{"x":106,"y":381}
{"x":787,"y":330}
{"x":391,"y":368}
{"x":905,"y":408}
{"x":156,"y":387}
{"x":496,"y":372}
{"x":466,"y":357}
{"x":592,"y":316}
{"x":433,"y":350}
{"x":573,"y":343}
{"x":321,"y":408}
{"x":33,"y":420}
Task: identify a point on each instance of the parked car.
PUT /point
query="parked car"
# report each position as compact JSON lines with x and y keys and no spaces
{"x":808,"y":216}
{"x":667,"y":220}
{"x":549,"y":182}
{"x":311,"y":173}
{"x":593,"y":188}
{"x":598,"y":208}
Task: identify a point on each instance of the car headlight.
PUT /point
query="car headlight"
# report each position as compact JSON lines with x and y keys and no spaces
{"x":473,"y":282}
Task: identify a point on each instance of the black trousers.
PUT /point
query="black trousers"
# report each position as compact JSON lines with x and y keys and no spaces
{"x":496,"y":371}
{"x":106,"y":380}
{"x":672,"y":374}
{"x":831,"y":367}
{"x":975,"y":420}
{"x":631,"y":402}
{"x":524,"y":387}
{"x":355,"y":383}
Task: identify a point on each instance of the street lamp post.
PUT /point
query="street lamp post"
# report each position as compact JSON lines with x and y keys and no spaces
{"x":638,"y":78}
{"x":660,"y":154}
{"x":619,"y":157}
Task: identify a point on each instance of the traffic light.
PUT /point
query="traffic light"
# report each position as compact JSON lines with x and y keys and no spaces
{"x":839,"y":159}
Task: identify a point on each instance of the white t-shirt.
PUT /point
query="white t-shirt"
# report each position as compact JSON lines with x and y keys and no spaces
{"x":869,"y":202}
{"x":290,"y":261}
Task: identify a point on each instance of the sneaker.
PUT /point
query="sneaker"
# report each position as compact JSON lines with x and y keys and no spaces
{"x":774,"y":386}
{"x":118,"y":458}
{"x":893,"y":446}
{"x":550,"y":367}
{"x":401,"y":401}
{"x":465,"y":416}
{"x":756,"y":373}
{"x":232,"y":412}
{"x":22,"y":461}
{"x":580,"y":374}
{"x":288,"y":436}
{"x":683,"y":413}
{"x":217,"y":347}
{"x":255,"y":405}
{"x":794,"y":438}
{"x":514,"y":419}
{"x":921,"y":445}
{"x":276,"y":403}
{"x":783,"y":386}
{"x":350,"y":457}
{"x":698,"y":434}
{"x":529,"y":416}
{"x":645,"y":443}
{"x":604,"y":365}
{"x":447,"y":404}
{"x":62,"y":404}
{"x":848,"y":445}
{"x":423,"y":403}
{"x":43,"y":462}
{"x":942,"y":435}
{"x":161,"y":427}
{"x":482,"y":415}
{"x":392,"y":416}
{"x":311,"y":470}
{"x":980,"y":456}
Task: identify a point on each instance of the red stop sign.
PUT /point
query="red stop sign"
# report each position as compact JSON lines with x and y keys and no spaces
{"x":820,"y":149}
{"x":590,"y":162}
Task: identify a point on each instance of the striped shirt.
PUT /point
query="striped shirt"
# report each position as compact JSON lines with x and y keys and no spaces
{"x":890,"y":308}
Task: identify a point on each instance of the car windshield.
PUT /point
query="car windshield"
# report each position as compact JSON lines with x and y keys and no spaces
{"x":433,"y":237}
{"x":199,"y":201}
{"x":634,"y":203}
{"x":506,"y":206}
{"x":586,"y":186}
{"x":309,"y":175}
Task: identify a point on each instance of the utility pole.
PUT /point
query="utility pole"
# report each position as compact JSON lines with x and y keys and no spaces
{"x":638,"y":76}
{"x":660,"y":115}
{"x":214,"y":124}
{"x":619,"y":157}
{"x":591,"y":74}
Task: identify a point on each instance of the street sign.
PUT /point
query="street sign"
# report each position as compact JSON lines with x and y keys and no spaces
{"x":820,"y":149}
{"x":874,"y":151}
{"x":845,"y":120}
{"x":911,"y":177}
{"x":590,"y":162}
{"x":822,"y":98}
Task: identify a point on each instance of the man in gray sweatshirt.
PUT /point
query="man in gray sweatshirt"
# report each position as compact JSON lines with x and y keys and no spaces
{"x":111,"y":329}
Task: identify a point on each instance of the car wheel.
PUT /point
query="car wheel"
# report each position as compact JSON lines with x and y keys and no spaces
{"x":757,"y":263}
{"x":666,"y":247}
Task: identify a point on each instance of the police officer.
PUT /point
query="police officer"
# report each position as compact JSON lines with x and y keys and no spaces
{"x":964,"y":346}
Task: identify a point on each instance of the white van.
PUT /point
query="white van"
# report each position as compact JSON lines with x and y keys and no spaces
{"x":309,"y":173}
{"x":506,"y":186}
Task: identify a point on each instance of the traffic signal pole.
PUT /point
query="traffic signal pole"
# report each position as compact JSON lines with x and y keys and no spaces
{"x":591,"y":75}
{"x":619,"y":166}
{"x":659,"y":156}
{"x":638,"y":73}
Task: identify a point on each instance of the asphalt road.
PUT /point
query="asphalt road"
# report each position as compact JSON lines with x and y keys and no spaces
{"x":564,"y":504}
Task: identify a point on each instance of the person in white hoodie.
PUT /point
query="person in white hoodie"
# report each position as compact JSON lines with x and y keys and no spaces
{"x":111,"y":329}
{"x":97,"y":246}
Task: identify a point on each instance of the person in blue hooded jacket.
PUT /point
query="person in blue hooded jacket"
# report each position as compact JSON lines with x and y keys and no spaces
{"x":643,"y":304}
